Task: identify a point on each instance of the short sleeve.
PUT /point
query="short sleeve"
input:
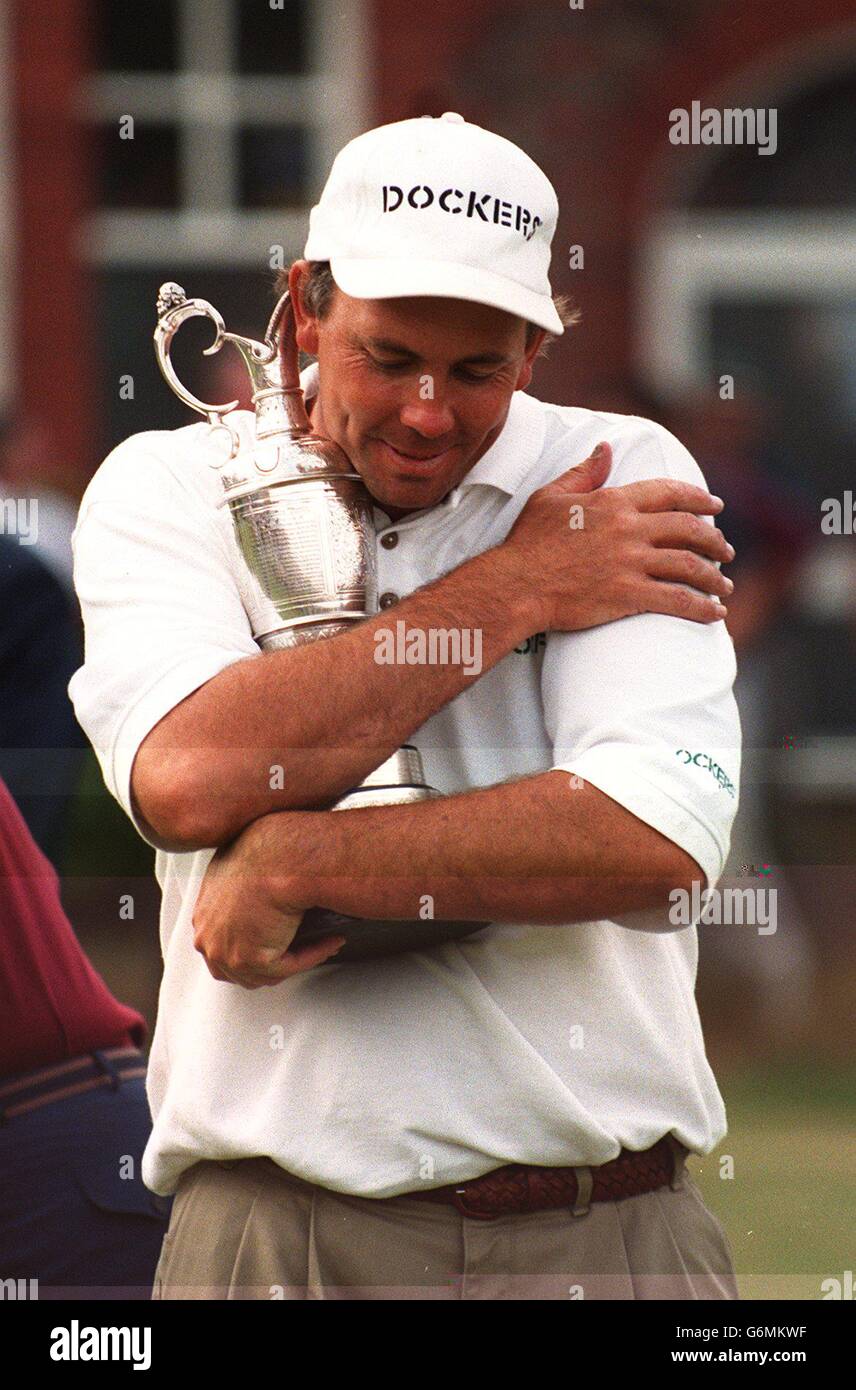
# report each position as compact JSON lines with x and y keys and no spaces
{"x":644,"y":710}
{"x":161,"y":605}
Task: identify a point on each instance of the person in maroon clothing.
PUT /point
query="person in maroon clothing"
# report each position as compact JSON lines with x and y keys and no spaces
{"x":76,"y":1220}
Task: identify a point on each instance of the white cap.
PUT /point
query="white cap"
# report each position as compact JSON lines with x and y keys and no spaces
{"x":438,"y":206}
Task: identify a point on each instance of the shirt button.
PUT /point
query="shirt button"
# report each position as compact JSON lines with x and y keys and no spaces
{"x":390,"y":540}
{"x":388,"y":599}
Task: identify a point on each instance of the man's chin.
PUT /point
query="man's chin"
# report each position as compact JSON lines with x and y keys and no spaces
{"x":392,"y":476}
{"x":411,"y":496}
{"x":404,"y":493}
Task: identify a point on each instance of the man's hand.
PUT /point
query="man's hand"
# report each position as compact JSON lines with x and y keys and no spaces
{"x":634,"y":549}
{"x":242,"y":925}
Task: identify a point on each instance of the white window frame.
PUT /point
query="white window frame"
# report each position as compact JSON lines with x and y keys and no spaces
{"x":687,"y":259}
{"x":209,"y":101}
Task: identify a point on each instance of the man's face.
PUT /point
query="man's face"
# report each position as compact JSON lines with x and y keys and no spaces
{"x":414,"y":390}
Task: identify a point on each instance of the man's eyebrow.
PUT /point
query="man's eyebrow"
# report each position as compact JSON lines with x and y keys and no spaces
{"x":485,"y":359}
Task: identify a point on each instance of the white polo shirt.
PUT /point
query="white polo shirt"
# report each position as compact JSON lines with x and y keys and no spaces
{"x":535,"y":1044}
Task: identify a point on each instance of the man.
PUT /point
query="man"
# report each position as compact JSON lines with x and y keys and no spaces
{"x":345,"y":1131}
{"x":41,"y":743}
{"x":76,"y":1219}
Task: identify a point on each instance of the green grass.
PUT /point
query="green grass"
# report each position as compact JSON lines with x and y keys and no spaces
{"x":101,"y":841}
{"x":790,"y":1210}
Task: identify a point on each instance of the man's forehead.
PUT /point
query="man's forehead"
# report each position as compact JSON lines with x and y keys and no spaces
{"x":405,"y":323}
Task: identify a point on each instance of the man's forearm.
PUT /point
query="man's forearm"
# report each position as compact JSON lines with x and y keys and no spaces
{"x":298,"y":728}
{"x":538,"y":850}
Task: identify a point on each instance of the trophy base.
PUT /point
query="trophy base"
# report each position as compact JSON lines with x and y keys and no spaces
{"x":371,"y":939}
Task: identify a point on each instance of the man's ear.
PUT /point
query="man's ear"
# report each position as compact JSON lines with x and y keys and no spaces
{"x":532,"y":351}
{"x":306,"y":326}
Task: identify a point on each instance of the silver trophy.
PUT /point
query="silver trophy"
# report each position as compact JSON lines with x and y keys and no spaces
{"x":304,"y":525}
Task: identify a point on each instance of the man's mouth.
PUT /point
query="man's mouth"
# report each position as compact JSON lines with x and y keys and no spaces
{"x":414,"y":462}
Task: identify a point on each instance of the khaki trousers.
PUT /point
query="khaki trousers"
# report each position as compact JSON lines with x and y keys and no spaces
{"x":249,"y":1230}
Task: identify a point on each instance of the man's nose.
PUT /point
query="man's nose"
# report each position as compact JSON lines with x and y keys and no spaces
{"x":431,"y":418}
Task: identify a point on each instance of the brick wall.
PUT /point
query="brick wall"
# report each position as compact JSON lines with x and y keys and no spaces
{"x":55,"y":351}
{"x":587,"y":94}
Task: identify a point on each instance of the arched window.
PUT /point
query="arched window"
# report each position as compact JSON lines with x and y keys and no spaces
{"x":750,"y":272}
{"x":753,"y":273}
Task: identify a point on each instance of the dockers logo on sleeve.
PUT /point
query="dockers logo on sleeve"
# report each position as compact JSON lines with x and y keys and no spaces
{"x":483,"y":207}
{"x":706,"y":761}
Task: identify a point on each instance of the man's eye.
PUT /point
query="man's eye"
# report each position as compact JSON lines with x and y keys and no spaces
{"x":389,"y":366}
{"x":466,"y":375}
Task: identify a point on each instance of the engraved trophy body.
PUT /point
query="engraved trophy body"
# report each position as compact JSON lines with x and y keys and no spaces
{"x":304,"y":527}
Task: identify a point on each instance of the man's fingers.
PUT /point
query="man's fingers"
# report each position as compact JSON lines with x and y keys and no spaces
{"x":305,"y":957}
{"x":260,"y":973}
{"x":670,"y":494}
{"x":217,"y":974}
{"x":658,"y":596}
{"x":686,"y":568}
{"x":290,"y":963}
{"x":679,"y":530}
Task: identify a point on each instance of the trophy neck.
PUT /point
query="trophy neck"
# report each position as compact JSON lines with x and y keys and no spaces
{"x":278,"y":395}
{"x":281,"y":410}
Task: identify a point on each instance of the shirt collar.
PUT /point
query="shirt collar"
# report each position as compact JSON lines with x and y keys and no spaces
{"x":512,"y":454}
{"x":510,"y":457}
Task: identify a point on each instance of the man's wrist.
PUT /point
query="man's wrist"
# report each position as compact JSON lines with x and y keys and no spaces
{"x":277,"y":849}
{"x":513,"y":591}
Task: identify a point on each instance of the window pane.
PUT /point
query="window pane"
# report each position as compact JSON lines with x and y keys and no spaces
{"x":126,"y":299}
{"x":134,"y":37}
{"x":796,"y":357}
{"x":273,"y":40}
{"x":273,"y":166}
{"x":813,"y":164}
{"x":141,"y":172}
{"x":798,"y":354}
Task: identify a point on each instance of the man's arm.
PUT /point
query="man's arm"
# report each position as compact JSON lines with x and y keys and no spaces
{"x":328,"y":714}
{"x":540,"y":850}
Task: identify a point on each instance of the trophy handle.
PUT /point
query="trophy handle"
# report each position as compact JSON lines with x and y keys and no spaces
{"x":275,"y":378}
{"x":174,"y":309}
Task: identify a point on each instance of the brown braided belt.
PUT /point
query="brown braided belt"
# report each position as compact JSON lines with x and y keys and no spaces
{"x":519,"y":1187}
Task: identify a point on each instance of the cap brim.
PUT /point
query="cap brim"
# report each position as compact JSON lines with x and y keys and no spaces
{"x":396,"y":279}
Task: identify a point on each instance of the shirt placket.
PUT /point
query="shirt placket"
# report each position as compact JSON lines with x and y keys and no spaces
{"x":395,"y":577}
